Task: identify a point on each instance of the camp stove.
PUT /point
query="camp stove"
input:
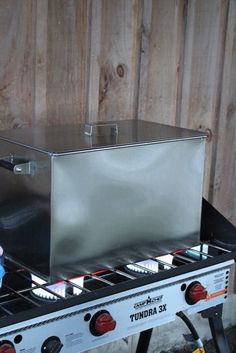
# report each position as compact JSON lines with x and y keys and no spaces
{"x":81,"y":313}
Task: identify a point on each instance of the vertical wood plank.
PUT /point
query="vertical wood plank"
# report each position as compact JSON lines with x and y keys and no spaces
{"x":162,"y":38}
{"x":40,"y":112}
{"x":68,"y":35}
{"x":144,"y":58}
{"x":204,"y":48}
{"x":17,"y":31}
{"x":224,"y":194}
{"x":118,"y":59}
{"x":94,"y":67}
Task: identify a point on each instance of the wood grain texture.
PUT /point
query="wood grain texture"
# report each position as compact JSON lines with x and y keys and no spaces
{"x":94,"y":61}
{"x":118,"y":59}
{"x":41,"y":27}
{"x":203,"y":59}
{"x":162,"y":39}
{"x":224,"y":192}
{"x":17,"y":20}
{"x":67,"y":57}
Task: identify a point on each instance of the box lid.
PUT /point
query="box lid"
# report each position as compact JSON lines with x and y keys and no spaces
{"x":83,"y":137}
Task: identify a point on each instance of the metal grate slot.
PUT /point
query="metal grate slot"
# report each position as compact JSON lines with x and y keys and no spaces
{"x":5,"y":311}
{"x":198,"y":252}
{"x":218,"y":248}
{"x":122,"y":273}
{"x":164,"y":263}
{"x":72,"y":284}
{"x":19,"y":294}
{"x":184,"y":258}
{"x":100,"y":279}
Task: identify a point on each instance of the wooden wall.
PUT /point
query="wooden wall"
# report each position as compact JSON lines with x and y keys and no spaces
{"x":169,"y":61}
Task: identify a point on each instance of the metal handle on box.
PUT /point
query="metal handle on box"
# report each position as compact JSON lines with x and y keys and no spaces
{"x":18,"y":165}
{"x":101,"y":129}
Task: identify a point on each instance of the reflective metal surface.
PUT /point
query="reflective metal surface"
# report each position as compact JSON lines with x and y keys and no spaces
{"x":25,"y":209}
{"x":130,"y":196}
{"x":70,"y":138}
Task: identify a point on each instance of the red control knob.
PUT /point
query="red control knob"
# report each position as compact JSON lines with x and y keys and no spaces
{"x":195,"y":292}
{"x":7,"y":348}
{"x":104,"y":323}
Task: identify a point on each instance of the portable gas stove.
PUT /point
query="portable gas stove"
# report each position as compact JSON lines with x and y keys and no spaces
{"x":82,"y":313}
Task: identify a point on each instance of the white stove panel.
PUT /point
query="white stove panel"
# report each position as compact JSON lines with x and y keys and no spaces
{"x":96,"y":323}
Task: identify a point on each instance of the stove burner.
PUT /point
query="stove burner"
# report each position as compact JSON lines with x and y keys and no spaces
{"x":144,"y":267}
{"x":61,"y":289}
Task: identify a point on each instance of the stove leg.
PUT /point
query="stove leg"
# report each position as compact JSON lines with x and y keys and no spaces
{"x":214,"y":316}
{"x":144,"y":340}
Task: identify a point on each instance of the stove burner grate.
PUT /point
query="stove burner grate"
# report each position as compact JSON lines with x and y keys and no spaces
{"x":25,"y":295}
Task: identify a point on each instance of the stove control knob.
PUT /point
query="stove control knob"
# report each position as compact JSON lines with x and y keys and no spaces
{"x":195,"y":292}
{"x":105,"y":323}
{"x":101,"y":323}
{"x":52,"y":345}
{"x":7,"y":347}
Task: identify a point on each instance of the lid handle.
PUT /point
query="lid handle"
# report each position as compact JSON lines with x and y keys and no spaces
{"x":102,"y":129}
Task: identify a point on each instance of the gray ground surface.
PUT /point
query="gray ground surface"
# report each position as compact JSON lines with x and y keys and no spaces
{"x":209,"y":347}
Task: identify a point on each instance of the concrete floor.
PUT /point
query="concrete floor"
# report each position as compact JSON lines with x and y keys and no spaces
{"x":231,"y":335}
{"x":209,"y":346}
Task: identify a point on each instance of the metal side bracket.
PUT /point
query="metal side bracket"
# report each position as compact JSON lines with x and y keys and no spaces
{"x":214,"y":316}
{"x":18,"y":165}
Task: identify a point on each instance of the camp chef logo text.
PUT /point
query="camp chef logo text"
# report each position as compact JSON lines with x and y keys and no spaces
{"x":148,"y":312}
{"x":144,"y":304}
{"x":147,"y":302}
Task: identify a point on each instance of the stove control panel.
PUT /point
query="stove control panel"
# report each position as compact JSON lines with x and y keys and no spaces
{"x":104,"y":320}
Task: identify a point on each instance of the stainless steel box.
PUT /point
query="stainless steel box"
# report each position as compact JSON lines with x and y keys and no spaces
{"x":77,"y":198}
